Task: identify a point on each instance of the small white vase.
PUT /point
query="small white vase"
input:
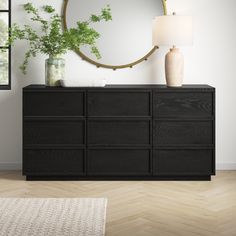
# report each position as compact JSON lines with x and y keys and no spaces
{"x":174,"y":67}
{"x":54,"y":70}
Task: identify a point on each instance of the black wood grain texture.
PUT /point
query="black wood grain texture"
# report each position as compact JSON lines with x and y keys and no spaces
{"x":54,"y":162}
{"x":119,"y":132}
{"x":183,"y":162}
{"x":50,"y":132}
{"x":119,"y":103}
{"x":126,"y":162}
{"x":160,"y":87}
{"x":185,"y":104}
{"x":44,"y":177}
{"x":177,"y":132}
{"x":54,"y":104}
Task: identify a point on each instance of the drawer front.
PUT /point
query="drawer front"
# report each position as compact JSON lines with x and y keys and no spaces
{"x":54,"y":104}
{"x":121,"y":103}
{"x":183,"y":133}
{"x":54,"y":132}
{"x":53,"y":162}
{"x":183,"y":162}
{"x":119,"y":132}
{"x":114,"y":162}
{"x":183,"y":104}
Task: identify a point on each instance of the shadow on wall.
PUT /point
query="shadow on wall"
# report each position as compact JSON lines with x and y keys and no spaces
{"x":11,"y":108}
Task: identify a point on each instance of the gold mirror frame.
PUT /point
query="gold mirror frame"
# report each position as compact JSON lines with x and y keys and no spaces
{"x":97,"y":64}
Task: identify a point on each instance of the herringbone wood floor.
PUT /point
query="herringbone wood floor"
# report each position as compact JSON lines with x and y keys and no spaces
{"x":138,"y":208}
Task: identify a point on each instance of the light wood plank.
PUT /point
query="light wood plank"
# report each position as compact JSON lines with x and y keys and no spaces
{"x":146,"y":208}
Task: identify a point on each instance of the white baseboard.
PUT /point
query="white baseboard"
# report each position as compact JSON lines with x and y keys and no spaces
{"x":18,"y":166}
{"x":226,"y":166}
{"x":10,"y":166}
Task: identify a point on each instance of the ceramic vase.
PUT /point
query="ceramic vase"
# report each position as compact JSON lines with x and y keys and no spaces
{"x":54,"y":70}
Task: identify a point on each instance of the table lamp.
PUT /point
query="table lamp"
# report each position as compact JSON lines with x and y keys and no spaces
{"x":173,"y":30}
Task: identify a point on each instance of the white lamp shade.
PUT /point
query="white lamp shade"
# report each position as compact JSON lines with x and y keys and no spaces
{"x":173,"y":30}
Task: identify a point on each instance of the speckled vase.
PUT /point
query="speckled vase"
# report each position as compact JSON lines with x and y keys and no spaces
{"x":54,"y":70}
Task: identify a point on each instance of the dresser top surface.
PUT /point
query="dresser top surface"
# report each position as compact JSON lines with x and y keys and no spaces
{"x":125,"y":86}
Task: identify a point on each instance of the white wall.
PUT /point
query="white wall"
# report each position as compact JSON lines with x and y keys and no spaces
{"x":210,"y":61}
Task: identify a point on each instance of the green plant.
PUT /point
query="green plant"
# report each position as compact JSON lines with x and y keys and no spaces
{"x":53,"y":40}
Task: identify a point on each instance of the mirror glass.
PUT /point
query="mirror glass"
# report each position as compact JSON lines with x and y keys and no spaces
{"x":125,"y":39}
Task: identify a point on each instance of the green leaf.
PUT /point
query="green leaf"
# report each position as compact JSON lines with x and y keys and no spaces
{"x":52,"y":40}
{"x":95,"y":18}
{"x":48,"y":9}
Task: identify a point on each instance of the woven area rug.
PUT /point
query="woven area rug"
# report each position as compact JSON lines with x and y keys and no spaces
{"x":52,"y":216}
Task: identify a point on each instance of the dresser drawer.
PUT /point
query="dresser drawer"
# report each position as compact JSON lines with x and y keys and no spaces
{"x":113,"y":103}
{"x":119,"y":132}
{"x":118,"y":162}
{"x":54,"y":162}
{"x":54,"y":132}
{"x":183,"y":162}
{"x":174,"y":132}
{"x":186,"y":104}
{"x":54,"y":104}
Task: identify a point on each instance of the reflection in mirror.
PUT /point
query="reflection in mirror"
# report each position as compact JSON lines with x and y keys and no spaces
{"x":128,"y":37}
{"x":4,"y":68}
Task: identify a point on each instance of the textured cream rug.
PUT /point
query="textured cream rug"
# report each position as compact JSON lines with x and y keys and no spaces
{"x":52,"y":216}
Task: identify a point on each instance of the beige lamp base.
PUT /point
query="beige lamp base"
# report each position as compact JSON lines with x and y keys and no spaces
{"x":174,"y":67}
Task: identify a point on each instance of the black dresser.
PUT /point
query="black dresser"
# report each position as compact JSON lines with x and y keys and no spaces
{"x":119,"y":132}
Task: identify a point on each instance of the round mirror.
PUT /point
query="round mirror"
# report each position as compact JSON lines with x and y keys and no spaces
{"x":127,"y":39}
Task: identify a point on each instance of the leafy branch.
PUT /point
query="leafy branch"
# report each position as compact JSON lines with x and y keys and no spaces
{"x":53,"y":40}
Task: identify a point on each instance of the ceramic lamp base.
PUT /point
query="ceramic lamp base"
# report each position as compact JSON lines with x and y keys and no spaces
{"x":174,"y":68}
